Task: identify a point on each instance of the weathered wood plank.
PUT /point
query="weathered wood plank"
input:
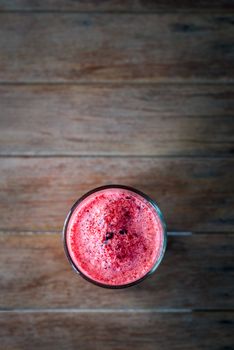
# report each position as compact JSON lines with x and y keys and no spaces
{"x":87,"y":47}
{"x":114,"y":5}
{"x":117,"y":331}
{"x":117,"y":120}
{"x":36,"y":274}
{"x":195,"y":194}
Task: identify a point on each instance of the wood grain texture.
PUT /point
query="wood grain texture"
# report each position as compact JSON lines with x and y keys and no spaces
{"x":195,"y":194}
{"x":117,"y":331}
{"x":103,"y":96}
{"x":115,"y":5}
{"x":36,"y":274}
{"x":87,"y":47}
{"x":117,"y":120}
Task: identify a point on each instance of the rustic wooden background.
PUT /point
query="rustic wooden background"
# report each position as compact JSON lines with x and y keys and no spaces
{"x":133,"y":92}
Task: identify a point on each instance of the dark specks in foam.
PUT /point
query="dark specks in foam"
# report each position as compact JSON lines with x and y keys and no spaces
{"x":109,"y":235}
{"x":123,"y":231}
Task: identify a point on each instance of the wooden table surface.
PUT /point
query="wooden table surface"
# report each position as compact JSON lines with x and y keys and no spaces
{"x":133,"y":92}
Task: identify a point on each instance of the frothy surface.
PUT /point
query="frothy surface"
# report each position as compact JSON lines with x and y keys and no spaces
{"x":115,"y":236}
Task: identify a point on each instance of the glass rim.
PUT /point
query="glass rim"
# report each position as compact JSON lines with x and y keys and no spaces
{"x":98,"y":189}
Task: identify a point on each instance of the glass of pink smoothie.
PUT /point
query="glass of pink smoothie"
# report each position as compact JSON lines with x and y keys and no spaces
{"x":115,"y":236}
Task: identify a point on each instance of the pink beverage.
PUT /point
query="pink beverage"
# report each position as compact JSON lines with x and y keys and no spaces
{"x":115,"y":236}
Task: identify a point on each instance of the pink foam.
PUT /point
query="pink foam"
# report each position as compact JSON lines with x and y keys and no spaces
{"x":115,"y":236}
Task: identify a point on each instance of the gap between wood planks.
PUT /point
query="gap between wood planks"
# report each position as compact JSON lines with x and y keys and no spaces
{"x":119,"y":83}
{"x":105,"y":155}
{"x":98,"y":310}
{"x":169,"y":233}
{"x":30,"y":233}
{"x":215,"y":11}
{"x":107,"y":311}
{"x":124,"y":82}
